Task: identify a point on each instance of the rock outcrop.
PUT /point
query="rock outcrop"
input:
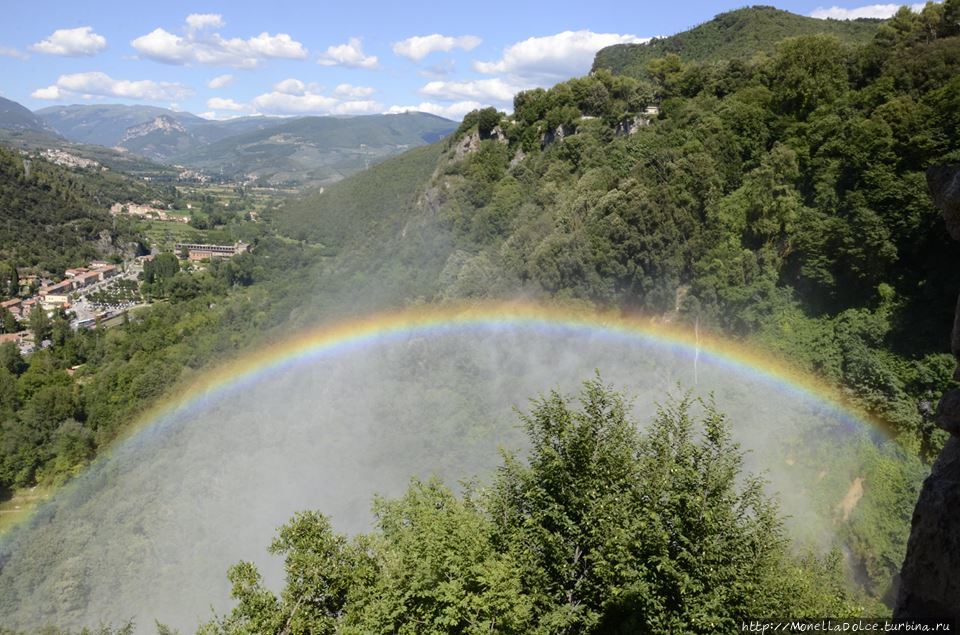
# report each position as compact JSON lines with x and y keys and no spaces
{"x":930,"y":577}
{"x":551,"y":137}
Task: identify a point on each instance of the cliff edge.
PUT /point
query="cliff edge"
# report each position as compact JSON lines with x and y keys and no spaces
{"x":930,"y":576}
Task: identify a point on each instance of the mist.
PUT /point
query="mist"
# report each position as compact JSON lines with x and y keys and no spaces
{"x":149,"y":532}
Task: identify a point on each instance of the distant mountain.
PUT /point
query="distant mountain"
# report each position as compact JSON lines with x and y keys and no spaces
{"x":159,"y":138}
{"x":740,"y":33}
{"x":316,"y":150}
{"x":271,"y":149}
{"x":13,"y":116}
{"x":106,"y":124}
{"x":152,"y":132}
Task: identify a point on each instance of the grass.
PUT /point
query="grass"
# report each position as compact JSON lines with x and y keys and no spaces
{"x":21,"y":504}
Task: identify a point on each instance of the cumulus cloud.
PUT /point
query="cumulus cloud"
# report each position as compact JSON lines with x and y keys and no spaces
{"x":51,"y":93}
{"x":495,"y":89}
{"x":219,"y":116}
{"x":81,"y":41}
{"x":881,"y":11}
{"x":278,"y":103}
{"x":220,"y":81}
{"x":219,"y":103}
{"x":353,"y":92}
{"x":454,"y":111}
{"x":6,"y":51}
{"x":554,"y":57}
{"x":290,"y":87}
{"x":199,"y":47}
{"x":419,"y":46}
{"x":293,"y":97}
{"x":357,"y":107}
{"x":199,"y":21}
{"x":97,"y":84}
{"x":350,"y":55}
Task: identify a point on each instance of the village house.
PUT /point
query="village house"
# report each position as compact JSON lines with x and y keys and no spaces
{"x":15,"y":306}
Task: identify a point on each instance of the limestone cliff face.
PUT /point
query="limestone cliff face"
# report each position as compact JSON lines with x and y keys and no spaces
{"x":930,"y":577}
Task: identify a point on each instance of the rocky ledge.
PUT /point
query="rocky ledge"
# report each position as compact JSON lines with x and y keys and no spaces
{"x":930,"y":577}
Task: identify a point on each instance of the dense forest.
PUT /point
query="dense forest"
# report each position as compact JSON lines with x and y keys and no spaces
{"x":743,"y":33}
{"x":52,"y":218}
{"x":777,"y":198}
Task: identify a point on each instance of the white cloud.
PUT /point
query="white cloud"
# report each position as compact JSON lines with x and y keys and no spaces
{"x":72,"y":42}
{"x":278,"y":103}
{"x":290,"y":87}
{"x":219,"y":103}
{"x":350,"y":55}
{"x":478,"y":90}
{"x":293,"y":97}
{"x":554,"y":57}
{"x":353,"y":92}
{"x":215,"y":116}
{"x":200,"y":21}
{"x":357,"y":107}
{"x":881,"y":11}
{"x":419,"y":46}
{"x":6,"y":51}
{"x":51,"y":93}
{"x":97,"y":84}
{"x":454,"y":111}
{"x":197,"y":47}
{"x":220,"y":81}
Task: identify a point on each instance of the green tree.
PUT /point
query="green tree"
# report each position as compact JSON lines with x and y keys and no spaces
{"x":9,"y":280}
{"x":8,"y":323}
{"x":601,"y":529}
{"x":808,"y":71}
{"x":487,"y":120}
{"x":40,"y":325}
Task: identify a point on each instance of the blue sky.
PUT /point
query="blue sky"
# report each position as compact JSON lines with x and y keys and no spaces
{"x":284,"y":57}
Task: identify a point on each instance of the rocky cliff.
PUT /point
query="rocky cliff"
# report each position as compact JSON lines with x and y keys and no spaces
{"x":930,"y":577}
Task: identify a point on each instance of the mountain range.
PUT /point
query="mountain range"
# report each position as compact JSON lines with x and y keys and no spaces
{"x":270,"y":150}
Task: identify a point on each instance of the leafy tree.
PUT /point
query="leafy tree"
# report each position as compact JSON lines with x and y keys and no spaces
{"x":9,"y":280}
{"x":601,"y":529}
{"x":807,"y":72}
{"x":8,"y":323}
{"x":40,"y":325}
{"x":487,"y":120}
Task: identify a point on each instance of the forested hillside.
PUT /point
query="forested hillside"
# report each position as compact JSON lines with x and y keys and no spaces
{"x":782,"y":200}
{"x":53,"y":218}
{"x":742,"y":34}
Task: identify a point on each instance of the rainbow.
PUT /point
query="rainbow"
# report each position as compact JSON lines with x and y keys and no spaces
{"x":340,"y":338}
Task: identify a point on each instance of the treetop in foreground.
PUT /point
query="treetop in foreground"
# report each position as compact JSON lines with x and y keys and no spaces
{"x":602,"y":527}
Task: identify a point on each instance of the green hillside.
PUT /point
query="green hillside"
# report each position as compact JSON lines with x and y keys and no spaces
{"x":735,"y":34}
{"x":54,"y":218}
{"x":385,"y":191}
